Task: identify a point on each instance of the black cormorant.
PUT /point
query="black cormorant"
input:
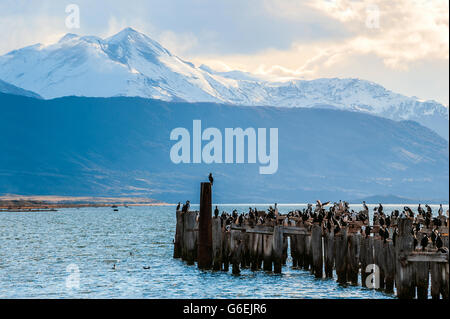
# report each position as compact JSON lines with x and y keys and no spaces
{"x":424,"y":241}
{"x":211,"y":179}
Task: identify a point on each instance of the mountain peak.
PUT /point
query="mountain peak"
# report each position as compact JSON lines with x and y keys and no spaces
{"x":126,"y":34}
{"x":68,"y":37}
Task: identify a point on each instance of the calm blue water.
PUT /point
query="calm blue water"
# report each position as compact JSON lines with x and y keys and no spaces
{"x":41,"y":253}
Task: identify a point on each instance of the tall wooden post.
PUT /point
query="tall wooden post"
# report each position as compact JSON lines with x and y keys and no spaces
{"x":177,"y":249}
{"x":267,"y":252}
{"x":316,"y":250}
{"x":353,"y":258}
{"x":329,"y":253}
{"x":217,"y":243}
{"x":404,"y":278}
{"x":379,"y":255}
{"x":277,"y":248}
{"x":389,"y":266}
{"x":189,"y":243}
{"x":341,"y":245}
{"x":204,"y":255}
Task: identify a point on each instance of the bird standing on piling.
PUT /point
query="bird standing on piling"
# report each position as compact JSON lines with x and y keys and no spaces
{"x":439,"y":242}
{"x":216,"y":212}
{"x":211,"y":179}
{"x":424,"y":242}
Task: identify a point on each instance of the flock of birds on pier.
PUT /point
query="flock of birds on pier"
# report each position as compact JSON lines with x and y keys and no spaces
{"x":339,"y":215}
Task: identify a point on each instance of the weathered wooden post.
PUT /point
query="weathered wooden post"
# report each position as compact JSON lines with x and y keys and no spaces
{"x":421,"y":269}
{"x":439,"y":280}
{"x":267,"y":252}
{"x":404,"y":277}
{"x":353,"y":258}
{"x":285,"y":250}
{"x":308,"y":264}
{"x":329,"y":253}
{"x":341,"y":245}
{"x":236,"y":251}
{"x":189,"y":237}
{"x":317,"y":252}
{"x":217,"y":243}
{"x":177,"y":247}
{"x":205,"y":230}
{"x":366,"y":257}
{"x":226,"y":249}
{"x":379,"y":256}
{"x":389,"y":266}
{"x":277,"y":248}
{"x":254,"y":240}
{"x":246,"y":250}
{"x":300,"y":245}
{"x":293,"y":246}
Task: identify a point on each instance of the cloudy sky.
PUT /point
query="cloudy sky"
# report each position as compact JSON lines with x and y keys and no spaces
{"x":401,"y":44}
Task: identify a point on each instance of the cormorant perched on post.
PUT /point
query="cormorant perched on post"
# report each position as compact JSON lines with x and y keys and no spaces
{"x":186,"y":206}
{"x":424,"y":242}
{"x":433,"y":237}
{"x":421,"y":210}
{"x":211,"y":179}
{"x":178,"y":206}
{"x":384,"y":233}
{"x":440,"y":210}
{"x":439,"y":242}
{"x":216,"y":212}
{"x":409,"y":211}
{"x":365,"y":206}
{"x":367,"y":231}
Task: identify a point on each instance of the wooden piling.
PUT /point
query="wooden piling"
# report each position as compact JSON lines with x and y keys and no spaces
{"x":189,"y":237}
{"x":353,"y":241}
{"x":277,"y":248}
{"x":260,"y":254}
{"x":300,"y":247}
{"x":254,"y":241}
{"x":329,"y":253}
{"x":285,"y":251}
{"x":389,"y":266}
{"x":177,"y":247}
{"x":204,"y":230}
{"x":379,"y":256}
{"x":216,"y":243}
{"x":421,"y":278}
{"x":226,"y":249}
{"x":439,"y":280}
{"x":308,"y":254}
{"x":404,"y":278}
{"x":236,"y":251}
{"x":316,"y":250}
{"x":340,"y":255}
{"x":293,"y":246}
{"x":366,"y":258}
{"x":267,"y":252}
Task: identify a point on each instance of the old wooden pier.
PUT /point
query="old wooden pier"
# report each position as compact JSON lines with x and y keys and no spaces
{"x":353,"y":256}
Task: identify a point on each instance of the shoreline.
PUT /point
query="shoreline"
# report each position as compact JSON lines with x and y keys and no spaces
{"x":20,"y":203}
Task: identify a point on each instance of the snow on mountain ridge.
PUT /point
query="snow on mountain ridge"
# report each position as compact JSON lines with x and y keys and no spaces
{"x":131,"y":64}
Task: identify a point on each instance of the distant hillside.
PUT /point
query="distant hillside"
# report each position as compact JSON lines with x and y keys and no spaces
{"x":12,"y":89}
{"x":120,"y":146}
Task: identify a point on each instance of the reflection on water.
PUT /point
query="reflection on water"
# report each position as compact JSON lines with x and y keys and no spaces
{"x":128,"y":254}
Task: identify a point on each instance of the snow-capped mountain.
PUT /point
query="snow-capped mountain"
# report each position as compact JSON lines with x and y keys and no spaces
{"x":131,"y":64}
